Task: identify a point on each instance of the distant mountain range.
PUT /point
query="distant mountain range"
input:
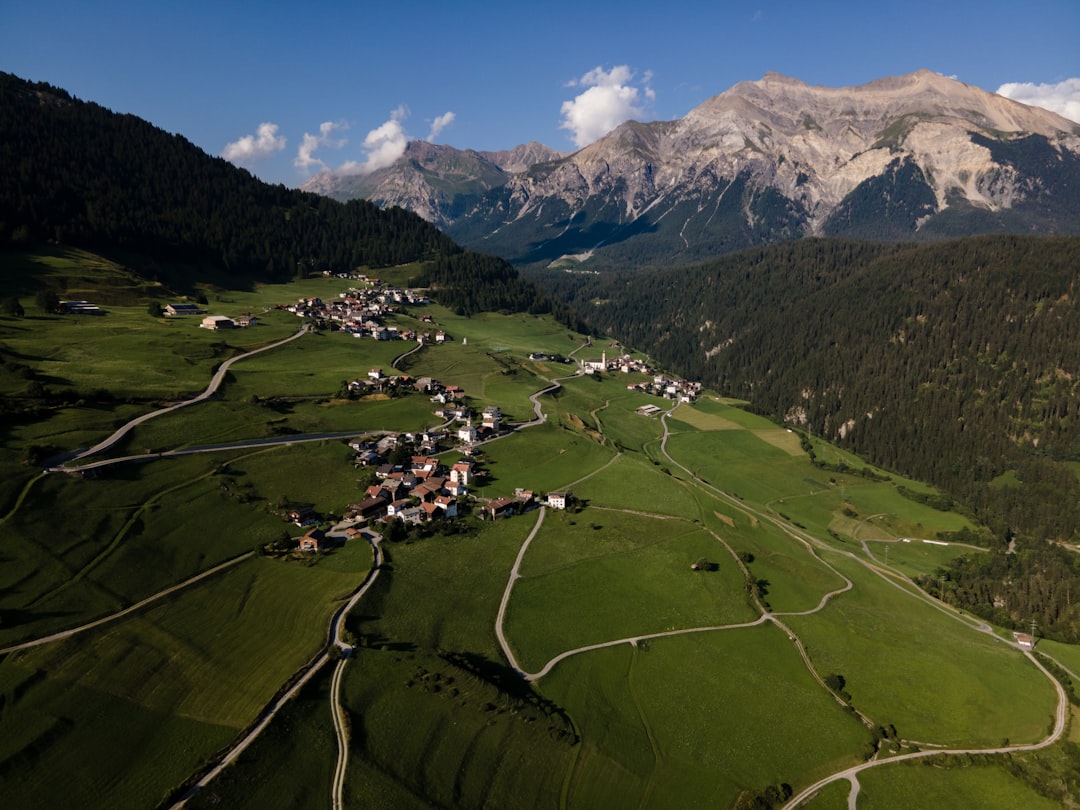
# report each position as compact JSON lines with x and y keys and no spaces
{"x":918,"y":157}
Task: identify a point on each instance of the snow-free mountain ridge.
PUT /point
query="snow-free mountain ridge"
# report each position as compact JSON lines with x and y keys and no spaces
{"x":909,"y":157}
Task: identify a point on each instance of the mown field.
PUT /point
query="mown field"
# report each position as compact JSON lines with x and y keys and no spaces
{"x":717,"y":713}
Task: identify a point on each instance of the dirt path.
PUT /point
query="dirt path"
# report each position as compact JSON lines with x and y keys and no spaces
{"x":120,"y":614}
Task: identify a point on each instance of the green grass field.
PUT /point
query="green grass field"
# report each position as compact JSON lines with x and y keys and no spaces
{"x":908,"y":664}
{"x":922,"y":786}
{"x":616,"y":576}
{"x":126,"y":712}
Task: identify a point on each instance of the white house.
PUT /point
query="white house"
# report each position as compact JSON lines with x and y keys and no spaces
{"x":557,"y":500}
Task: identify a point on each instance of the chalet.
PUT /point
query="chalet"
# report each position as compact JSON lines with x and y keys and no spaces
{"x":447,"y":505}
{"x":216,"y":322}
{"x":456,"y":489}
{"x":179,"y":310}
{"x":247,"y":319}
{"x":426,"y":464}
{"x":413,"y":514}
{"x":432,"y":511}
{"x":1025,"y":641}
{"x":303,"y":516}
{"x":557,"y":500}
{"x":395,"y":508}
{"x":523,"y":495}
{"x":426,"y":492}
{"x":79,"y":308}
{"x":500,"y":507}
{"x":368,"y":508}
{"x":384,"y":471}
{"x":367,"y":458}
{"x":314,"y":540}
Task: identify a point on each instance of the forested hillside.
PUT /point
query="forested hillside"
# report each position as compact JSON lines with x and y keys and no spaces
{"x":76,"y":173}
{"x":957,"y":363}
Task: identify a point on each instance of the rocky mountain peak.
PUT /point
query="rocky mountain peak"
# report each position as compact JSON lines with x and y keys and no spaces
{"x":903,"y":157}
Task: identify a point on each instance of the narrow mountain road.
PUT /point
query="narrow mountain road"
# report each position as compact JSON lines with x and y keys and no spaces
{"x":811,"y":542}
{"x":37,"y":642}
{"x":211,"y":389}
{"x":304,"y":677}
{"x":514,"y":575}
{"x":341,"y":728}
{"x":851,"y":774}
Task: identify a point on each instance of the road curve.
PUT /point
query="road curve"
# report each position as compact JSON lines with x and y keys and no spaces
{"x":514,"y":575}
{"x":211,"y":389}
{"x":309,"y":672}
{"x":1060,"y":719}
{"x":851,"y":774}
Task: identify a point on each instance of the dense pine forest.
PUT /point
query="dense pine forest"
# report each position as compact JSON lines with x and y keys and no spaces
{"x":75,"y":173}
{"x":956,"y":363}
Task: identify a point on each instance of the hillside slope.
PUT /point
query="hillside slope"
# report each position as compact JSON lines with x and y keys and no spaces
{"x":954,"y":362}
{"x":912,"y":157}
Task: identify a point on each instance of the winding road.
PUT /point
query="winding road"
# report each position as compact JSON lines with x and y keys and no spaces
{"x":211,"y":389}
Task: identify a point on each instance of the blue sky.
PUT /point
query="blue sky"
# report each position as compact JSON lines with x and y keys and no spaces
{"x":286,"y":89}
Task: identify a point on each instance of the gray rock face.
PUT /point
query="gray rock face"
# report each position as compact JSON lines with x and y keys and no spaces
{"x":765,"y":160}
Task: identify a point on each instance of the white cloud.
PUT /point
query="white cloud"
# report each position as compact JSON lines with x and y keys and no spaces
{"x":439,"y":124}
{"x":1062,"y":98}
{"x":305,"y":155}
{"x":610,"y":98}
{"x":251,"y":148}
{"x":383,"y":145}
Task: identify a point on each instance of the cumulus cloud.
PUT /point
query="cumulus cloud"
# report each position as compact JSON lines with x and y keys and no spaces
{"x":251,"y":148}
{"x":305,"y":155}
{"x":439,"y":124}
{"x":1062,"y":98}
{"x":609,"y":98}
{"x":383,"y":145}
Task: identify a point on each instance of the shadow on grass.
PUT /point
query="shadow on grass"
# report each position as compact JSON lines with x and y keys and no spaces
{"x":509,"y":682}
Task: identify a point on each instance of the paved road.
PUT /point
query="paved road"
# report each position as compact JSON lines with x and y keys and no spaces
{"x":338,"y":624}
{"x":309,"y":672}
{"x":37,"y":642}
{"x":211,"y":389}
{"x":514,"y":575}
{"x":851,"y":774}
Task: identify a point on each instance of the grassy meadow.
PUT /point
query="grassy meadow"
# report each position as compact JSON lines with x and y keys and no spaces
{"x":120,"y":715}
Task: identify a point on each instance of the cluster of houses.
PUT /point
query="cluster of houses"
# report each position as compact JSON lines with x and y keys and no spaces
{"x":362,"y":312}
{"x":425,"y":489}
{"x":422,"y":490}
{"x":660,"y":386}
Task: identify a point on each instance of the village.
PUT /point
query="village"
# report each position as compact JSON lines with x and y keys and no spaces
{"x":407,"y":487}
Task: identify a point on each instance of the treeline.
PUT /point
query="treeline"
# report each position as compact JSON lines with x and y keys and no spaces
{"x":473,"y":282}
{"x":1040,"y":584}
{"x":76,"y":173}
{"x":957,"y":363}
